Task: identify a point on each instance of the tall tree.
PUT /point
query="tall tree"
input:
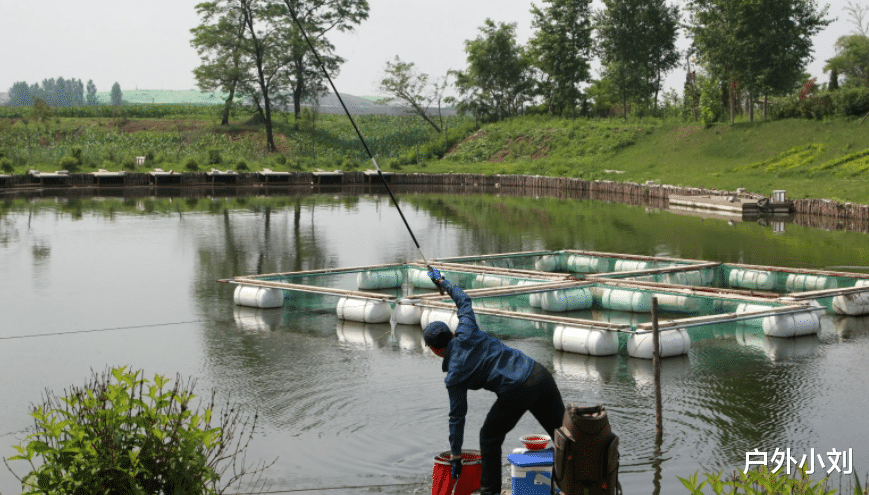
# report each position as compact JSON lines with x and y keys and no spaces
{"x":116,"y":95}
{"x":274,"y":57}
{"x":561,"y":48}
{"x":319,"y":18}
{"x":637,"y":44}
{"x":498,"y":79}
{"x":20,"y":95}
{"x":761,"y":45}
{"x":219,"y":40}
{"x":92,"y":93}
{"x":402,"y":82}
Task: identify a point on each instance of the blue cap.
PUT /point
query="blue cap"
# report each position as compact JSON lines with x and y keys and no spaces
{"x":437,"y":335}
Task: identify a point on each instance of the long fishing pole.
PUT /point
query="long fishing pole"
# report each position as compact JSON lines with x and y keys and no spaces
{"x":364,"y":144}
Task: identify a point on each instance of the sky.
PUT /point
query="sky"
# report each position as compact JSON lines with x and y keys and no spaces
{"x":145,"y":44}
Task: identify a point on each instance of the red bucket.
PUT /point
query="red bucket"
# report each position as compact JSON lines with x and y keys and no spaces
{"x":441,"y":481}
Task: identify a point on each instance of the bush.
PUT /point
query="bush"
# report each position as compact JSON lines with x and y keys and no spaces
{"x":759,"y":482}
{"x":69,"y":163}
{"x":241,"y":166}
{"x":6,"y":165}
{"x":133,"y":437}
{"x":214,"y":157}
{"x":850,"y":102}
{"x":191,"y":165}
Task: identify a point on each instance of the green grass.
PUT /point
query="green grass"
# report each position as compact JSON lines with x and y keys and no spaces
{"x":170,"y":136}
{"x":807,"y":158}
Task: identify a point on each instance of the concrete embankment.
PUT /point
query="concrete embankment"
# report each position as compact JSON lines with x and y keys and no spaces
{"x":814,"y":212}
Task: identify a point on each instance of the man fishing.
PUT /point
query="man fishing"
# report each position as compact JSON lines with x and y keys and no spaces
{"x":473,"y":360}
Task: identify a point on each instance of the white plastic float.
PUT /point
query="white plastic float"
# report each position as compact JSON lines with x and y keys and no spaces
{"x":695,"y":277}
{"x":855,"y":303}
{"x":450,"y":317}
{"x":587,"y":264}
{"x":672,"y":343}
{"x":676,"y":303}
{"x":406,"y":314}
{"x":486,"y":281}
{"x":363,"y":310}
{"x":258,"y":297}
{"x":581,"y":340}
{"x":792,"y":324}
{"x":419,"y":278}
{"x":751,"y":279}
{"x":380,"y":279}
{"x":534,"y":298}
{"x":547,"y":263}
{"x":626,"y":300}
{"x":785,"y":325}
{"x":566,"y":299}
{"x":800,"y":282}
{"x":632,"y":265}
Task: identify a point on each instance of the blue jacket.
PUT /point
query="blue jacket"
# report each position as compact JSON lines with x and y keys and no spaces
{"x":474,"y":360}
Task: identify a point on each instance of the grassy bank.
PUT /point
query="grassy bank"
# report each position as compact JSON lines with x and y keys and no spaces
{"x":818,"y":159}
{"x":808,"y":158}
{"x":190,"y":138}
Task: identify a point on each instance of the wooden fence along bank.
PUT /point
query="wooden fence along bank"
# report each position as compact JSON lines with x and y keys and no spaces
{"x":810,"y":212}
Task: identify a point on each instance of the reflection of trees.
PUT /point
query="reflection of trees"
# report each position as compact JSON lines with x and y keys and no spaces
{"x":615,"y":227}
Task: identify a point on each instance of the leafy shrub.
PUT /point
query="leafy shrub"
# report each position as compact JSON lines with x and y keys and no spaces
{"x":76,"y":153}
{"x":241,"y":165}
{"x":108,"y":165}
{"x":191,"y":165}
{"x":6,"y":165}
{"x":850,"y":102}
{"x":281,"y":160}
{"x":69,"y":163}
{"x":130,"y":436}
{"x":214,"y":157}
{"x":762,"y":481}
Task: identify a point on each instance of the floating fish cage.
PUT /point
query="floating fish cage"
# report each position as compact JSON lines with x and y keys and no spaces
{"x":596,"y":304}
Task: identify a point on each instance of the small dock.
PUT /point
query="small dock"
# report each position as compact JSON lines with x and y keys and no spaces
{"x":734,"y":205}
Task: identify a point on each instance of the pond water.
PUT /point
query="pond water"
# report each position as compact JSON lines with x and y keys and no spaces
{"x":89,"y":283}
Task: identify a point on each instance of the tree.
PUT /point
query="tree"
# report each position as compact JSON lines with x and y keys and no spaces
{"x":560,"y":48}
{"x":498,"y":79}
{"x":404,"y":83}
{"x":92,"y":93}
{"x":20,"y":95}
{"x":219,"y":41}
{"x":318,"y":18}
{"x":761,"y":45}
{"x":274,"y":57}
{"x":117,"y":95}
{"x":851,"y":60}
{"x":637,"y":44}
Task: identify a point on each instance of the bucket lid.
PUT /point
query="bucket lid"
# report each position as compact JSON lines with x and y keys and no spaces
{"x":533,"y":458}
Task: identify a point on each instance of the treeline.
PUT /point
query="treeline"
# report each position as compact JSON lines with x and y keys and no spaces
{"x":59,"y":92}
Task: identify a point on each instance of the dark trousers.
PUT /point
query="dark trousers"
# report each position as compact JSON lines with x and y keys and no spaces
{"x":539,"y":394}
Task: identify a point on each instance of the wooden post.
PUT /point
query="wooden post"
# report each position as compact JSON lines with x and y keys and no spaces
{"x":656,"y":365}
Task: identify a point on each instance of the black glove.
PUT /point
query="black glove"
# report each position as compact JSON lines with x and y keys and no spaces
{"x":455,"y":468}
{"x":435,"y":276}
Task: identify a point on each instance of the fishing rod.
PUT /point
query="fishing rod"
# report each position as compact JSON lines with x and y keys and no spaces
{"x":358,"y":133}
